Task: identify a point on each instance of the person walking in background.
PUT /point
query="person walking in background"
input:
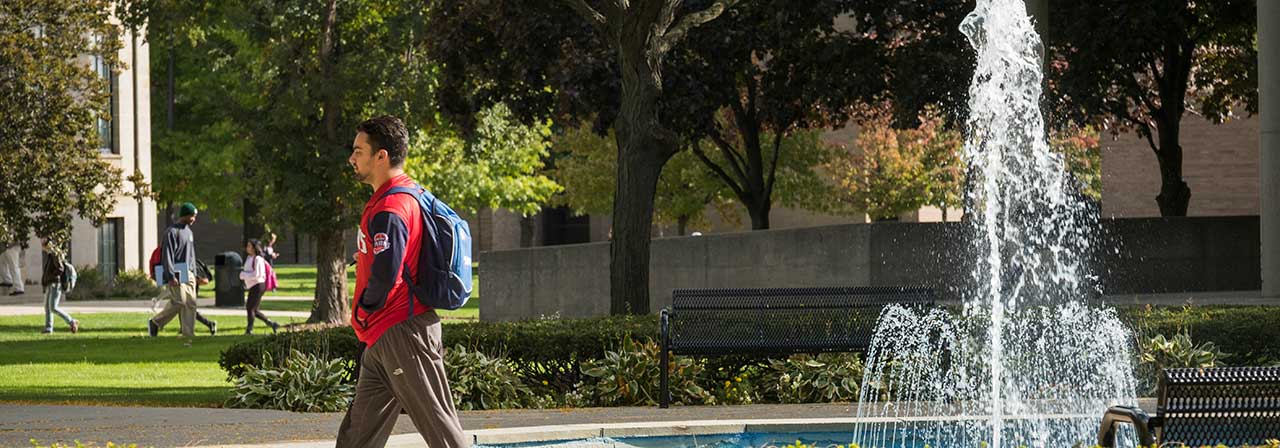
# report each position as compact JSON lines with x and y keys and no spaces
{"x":55,"y":281}
{"x":202,"y":278}
{"x":11,"y":265}
{"x":254,"y":277}
{"x":269,"y":248}
{"x":178,"y":258}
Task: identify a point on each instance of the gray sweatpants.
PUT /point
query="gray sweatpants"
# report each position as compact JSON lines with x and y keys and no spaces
{"x":403,"y":369}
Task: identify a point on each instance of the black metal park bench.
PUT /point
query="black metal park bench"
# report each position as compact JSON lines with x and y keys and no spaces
{"x":1233,"y":406}
{"x":775,"y":321}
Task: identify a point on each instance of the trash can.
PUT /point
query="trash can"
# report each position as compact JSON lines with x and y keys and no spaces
{"x":228,"y":290}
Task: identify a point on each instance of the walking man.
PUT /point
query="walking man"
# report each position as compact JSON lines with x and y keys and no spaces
{"x":402,"y":356}
{"x":178,"y":256}
{"x":11,"y":265}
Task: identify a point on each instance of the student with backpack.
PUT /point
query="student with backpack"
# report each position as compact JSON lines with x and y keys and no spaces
{"x":254,"y":276}
{"x":203,"y":276}
{"x":402,"y":274}
{"x":58,"y":278}
{"x":179,"y":276}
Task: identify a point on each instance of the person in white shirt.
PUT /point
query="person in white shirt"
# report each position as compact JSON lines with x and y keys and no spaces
{"x":254,"y":277}
{"x":11,"y":267}
{"x":269,"y":249}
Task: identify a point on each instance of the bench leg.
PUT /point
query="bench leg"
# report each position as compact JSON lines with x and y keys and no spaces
{"x":664,"y":386}
{"x":1125,"y":414}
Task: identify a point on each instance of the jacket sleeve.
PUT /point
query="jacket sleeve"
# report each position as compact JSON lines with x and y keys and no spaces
{"x":388,"y":235}
{"x":166,"y":255}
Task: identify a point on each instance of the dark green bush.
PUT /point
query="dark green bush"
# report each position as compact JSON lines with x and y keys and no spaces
{"x":134,"y":284}
{"x":629,"y":376}
{"x":329,"y":343}
{"x":546,"y":353}
{"x":130,"y":284}
{"x":90,"y":285}
{"x":481,"y":382}
{"x":549,"y":353}
{"x":1246,"y":334}
{"x":303,"y":382}
{"x":550,"y":356}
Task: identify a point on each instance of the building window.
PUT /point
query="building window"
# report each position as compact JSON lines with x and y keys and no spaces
{"x":106,"y":128}
{"x":110,"y":250}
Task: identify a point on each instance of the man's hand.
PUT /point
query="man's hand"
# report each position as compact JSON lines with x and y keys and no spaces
{"x":202,"y":281}
{"x":173,"y":281}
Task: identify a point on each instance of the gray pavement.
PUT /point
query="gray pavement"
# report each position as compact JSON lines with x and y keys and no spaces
{"x":34,"y":304}
{"x":165,"y":427}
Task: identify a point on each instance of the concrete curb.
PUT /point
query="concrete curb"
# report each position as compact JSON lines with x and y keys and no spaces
{"x":554,"y":433}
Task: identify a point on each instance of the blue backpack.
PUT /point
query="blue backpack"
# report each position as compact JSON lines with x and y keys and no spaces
{"x":444,"y":260}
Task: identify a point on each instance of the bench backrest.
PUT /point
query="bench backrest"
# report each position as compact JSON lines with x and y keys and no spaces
{"x":782,"y":320}
{"x":1228,"y":405}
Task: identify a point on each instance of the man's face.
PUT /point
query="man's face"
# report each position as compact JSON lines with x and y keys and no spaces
{"x":364,"y":157}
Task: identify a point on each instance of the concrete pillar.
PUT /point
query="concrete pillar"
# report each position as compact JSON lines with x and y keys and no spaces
{"x":1269,"y":139}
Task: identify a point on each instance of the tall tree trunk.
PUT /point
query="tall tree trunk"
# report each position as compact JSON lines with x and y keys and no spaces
{"x":253,"y":227}
{"x":644,"y":146}
{"x":331,"y":304}
{"x":682,"y":224}
{"x":1175,"y":195}
{"x":638,"y":171}
{"x":528,"y":229}
{"x":759,"y":211}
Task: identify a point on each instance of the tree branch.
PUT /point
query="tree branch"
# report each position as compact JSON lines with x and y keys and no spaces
{"x":735,"y":161}
{"x":588,"y":13}
{"x":773,"y":170}
{"x":673,"y":35}
{"x":733,"y":185}
{"x":1137,"y":91}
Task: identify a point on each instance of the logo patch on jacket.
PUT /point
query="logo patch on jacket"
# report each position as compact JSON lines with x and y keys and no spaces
{"x":380,"y":243}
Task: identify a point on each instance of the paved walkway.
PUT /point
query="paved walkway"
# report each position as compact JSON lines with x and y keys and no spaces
{"x":32,"y":303}
{"x":162,"y":427}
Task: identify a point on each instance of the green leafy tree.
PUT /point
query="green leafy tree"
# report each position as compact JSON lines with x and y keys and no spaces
{"x":1141,"y":65}
{"x":309,"y":72}
{"x":1081,"y":150}
{"x":587,"y":168}
{"x":197,"y":141}
{"x":901,"y":170}
{"x":576,"y":59}
{"x":500,"y":167}
{"x":768,"y":70}
{"x":52,"y":101}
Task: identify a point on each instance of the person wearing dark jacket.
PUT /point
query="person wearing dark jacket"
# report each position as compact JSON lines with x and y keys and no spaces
{"x":203,"y":277}
{"x":54,"y":280}
{"x":178,"y":257}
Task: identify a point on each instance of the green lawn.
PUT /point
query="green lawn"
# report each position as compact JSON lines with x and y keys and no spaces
{"x":112,"y":361}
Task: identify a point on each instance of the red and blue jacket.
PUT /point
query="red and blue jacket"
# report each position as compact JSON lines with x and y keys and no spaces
{"x":389,"y":241}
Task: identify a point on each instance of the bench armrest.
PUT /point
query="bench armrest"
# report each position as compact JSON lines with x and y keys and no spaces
{"x":1125,"y":414}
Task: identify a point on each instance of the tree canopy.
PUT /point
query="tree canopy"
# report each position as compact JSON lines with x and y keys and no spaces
{"x":53,"y":104}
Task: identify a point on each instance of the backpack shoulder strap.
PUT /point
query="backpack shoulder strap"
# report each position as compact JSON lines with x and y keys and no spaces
{"x":402,"y":189}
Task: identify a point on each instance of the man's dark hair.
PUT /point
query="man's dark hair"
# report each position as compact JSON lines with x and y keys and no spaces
{"x":387,"y":132}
